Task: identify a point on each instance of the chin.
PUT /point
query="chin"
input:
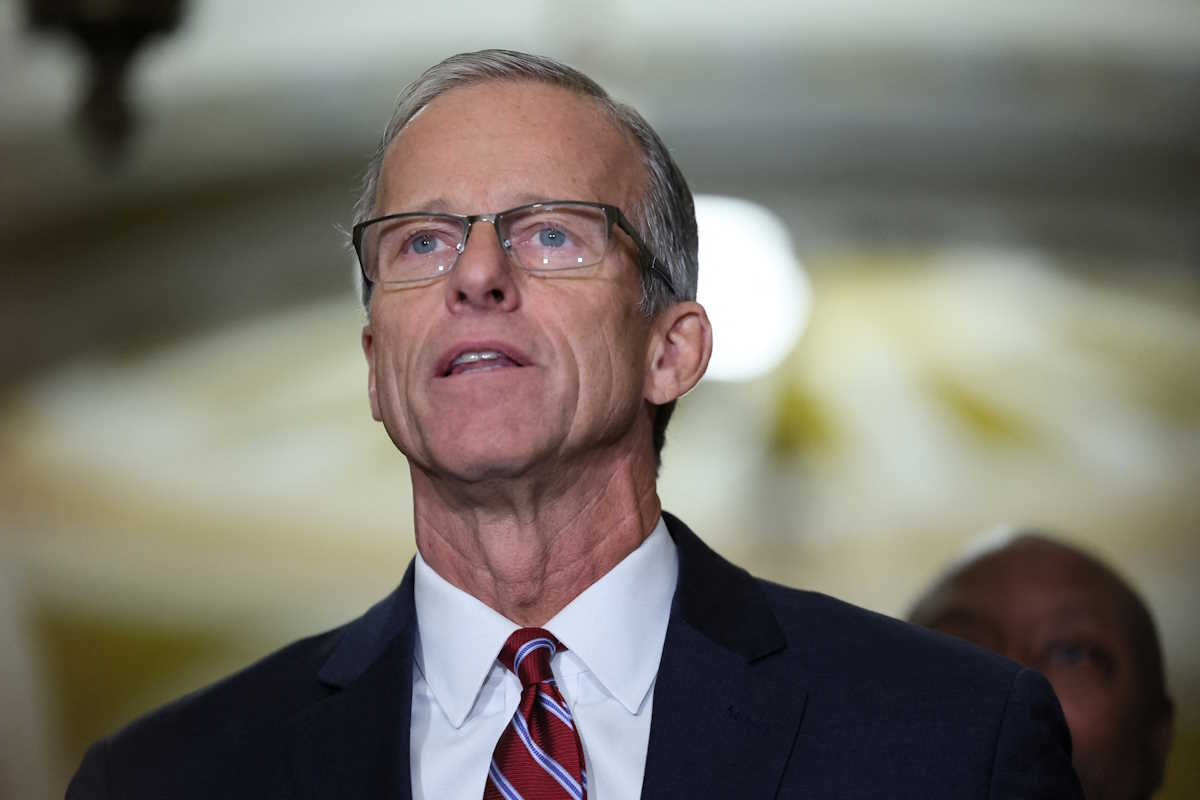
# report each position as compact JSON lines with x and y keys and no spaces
{"x":482,"y":470}
{"x":488,"y":446}
{"x":488,"y":459}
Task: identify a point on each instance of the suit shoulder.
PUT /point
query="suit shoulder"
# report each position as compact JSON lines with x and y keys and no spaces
{"x":218,"y":724}
{"x":831,"y":634}
{"x":271,"y":688}
{"x":921,"y":695}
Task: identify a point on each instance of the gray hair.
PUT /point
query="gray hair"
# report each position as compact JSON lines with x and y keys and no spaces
{"x":665,"y":216}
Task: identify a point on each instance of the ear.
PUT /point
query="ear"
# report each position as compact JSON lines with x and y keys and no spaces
{"x":368,"y":346}
{"x":678,"y":351}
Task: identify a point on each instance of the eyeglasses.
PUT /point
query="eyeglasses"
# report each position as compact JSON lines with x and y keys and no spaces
{"x":548,"y":237}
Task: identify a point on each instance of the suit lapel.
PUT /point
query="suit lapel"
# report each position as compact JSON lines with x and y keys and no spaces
{"x":726,"y":711}
{"x":355,"y":743}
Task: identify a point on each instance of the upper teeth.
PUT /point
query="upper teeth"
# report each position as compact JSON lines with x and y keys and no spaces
{"x":471,"y":358}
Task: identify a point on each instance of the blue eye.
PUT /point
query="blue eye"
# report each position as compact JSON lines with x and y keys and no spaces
{"x":1068,"y":653}
{"x":552,"y":237}
{"x":424,"y":243}
{"x":1077,"y":655}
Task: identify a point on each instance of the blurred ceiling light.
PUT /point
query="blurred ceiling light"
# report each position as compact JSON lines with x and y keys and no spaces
{"x":754,"y":288}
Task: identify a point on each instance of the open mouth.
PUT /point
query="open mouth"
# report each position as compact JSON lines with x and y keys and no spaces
{"x":479,"y":361}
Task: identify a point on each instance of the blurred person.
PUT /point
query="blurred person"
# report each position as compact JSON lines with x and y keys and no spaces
{"x":528,"y":252}
{"x":1063,"y":612}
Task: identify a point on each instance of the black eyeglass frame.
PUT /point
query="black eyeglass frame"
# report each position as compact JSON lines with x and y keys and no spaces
{"x":646,"y":258}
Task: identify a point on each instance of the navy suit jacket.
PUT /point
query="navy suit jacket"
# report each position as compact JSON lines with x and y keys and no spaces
{"x":762,"y":692}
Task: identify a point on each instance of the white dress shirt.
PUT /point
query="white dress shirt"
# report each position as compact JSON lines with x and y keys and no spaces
{"x":462,"y":697}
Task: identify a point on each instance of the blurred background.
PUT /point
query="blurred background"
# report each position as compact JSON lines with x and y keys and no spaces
{"x":982,"y":307}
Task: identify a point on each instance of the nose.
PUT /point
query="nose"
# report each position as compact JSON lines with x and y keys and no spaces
{"x":483,"y":277}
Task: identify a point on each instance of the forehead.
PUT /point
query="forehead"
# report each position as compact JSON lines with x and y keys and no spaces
{"x":492,"y":145}
{"x":1025,"y":585}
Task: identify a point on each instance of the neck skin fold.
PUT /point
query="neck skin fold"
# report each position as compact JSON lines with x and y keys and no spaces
{"x":527,"y":546}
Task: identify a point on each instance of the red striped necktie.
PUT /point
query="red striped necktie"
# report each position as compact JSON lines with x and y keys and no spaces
{"x":539,"y":755}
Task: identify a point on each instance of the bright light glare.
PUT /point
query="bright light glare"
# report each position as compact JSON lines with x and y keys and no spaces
{"x":754,"y":288}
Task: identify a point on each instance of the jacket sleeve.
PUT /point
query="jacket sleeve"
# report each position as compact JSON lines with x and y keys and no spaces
{"x":91,"y":779}
{"x":1033,"y":749}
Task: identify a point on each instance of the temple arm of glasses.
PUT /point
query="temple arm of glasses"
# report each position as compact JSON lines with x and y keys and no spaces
{"x":650,"y":261}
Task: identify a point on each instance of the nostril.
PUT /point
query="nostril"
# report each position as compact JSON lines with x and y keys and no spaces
{"x":497,"y":295}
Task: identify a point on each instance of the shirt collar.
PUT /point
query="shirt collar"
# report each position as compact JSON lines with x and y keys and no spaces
{"x":458,"y":638}
{"x":616,"y":626}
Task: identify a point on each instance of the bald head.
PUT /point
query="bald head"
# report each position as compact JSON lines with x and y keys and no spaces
{"x":1063,"y":612}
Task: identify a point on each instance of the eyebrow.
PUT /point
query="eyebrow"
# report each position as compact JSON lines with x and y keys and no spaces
{"x":1080,"y":614}
{"x":440,"y":205}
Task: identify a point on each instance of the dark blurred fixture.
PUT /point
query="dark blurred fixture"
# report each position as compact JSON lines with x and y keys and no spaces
{"x":110,"y":32}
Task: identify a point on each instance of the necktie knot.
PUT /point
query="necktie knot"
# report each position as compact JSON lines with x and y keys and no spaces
{"x":539,"y":755}
{"x":527,"y":655}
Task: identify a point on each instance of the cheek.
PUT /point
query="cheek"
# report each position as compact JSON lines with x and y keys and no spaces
{"x":1087,"y":726}
{"x":1093,"y":714}
{"x":394,"y":367}
{"x":614,"y":364}
{"x":389,"y":394}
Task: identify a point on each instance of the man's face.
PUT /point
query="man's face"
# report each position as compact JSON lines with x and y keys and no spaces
{"x":1046,"y":607}
{"x":573,"y":346}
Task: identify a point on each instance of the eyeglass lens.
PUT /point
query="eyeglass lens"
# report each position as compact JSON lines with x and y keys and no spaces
{"x":541,"y":238}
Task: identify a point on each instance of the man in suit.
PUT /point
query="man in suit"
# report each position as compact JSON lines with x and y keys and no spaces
{"x":528,"y":250}
{"x":1065,"y":613}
